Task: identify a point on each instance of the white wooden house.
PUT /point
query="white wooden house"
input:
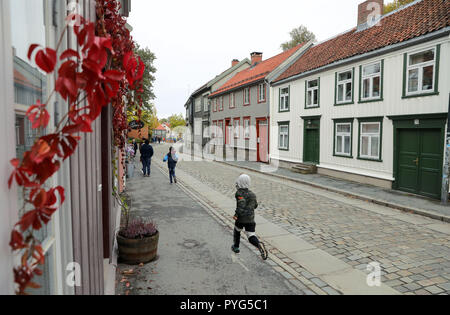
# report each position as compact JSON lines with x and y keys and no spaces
{"x":371,"y":104}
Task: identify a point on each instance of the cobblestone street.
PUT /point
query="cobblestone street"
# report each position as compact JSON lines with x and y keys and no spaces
{"x":414,"y":251}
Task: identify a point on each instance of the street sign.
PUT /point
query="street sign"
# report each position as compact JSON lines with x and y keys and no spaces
{"x":136,"y":125}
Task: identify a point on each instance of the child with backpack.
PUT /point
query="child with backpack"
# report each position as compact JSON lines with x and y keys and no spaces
{"x":245,"y":216}
{"x":172,"y":159}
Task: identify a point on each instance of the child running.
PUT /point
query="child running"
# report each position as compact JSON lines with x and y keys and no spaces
{"x":245,"y":216}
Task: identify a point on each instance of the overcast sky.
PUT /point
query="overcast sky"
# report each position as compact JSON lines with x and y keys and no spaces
{"x":194,"y":40}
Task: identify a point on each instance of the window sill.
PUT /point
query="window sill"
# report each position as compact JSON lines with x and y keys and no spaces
{"x":420,"y":95}
{"x":371,"y":101}
{"x":284,"y":111}
{"x":283,"y":149}
{"x":312,"y":107}
{"x":342,"y":104}
{"x":371,"y":160}
{"x":343,"y":156}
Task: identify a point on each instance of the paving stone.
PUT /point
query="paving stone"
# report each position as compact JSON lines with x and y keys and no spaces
{"x":412,"y":286}
{"x":331,"y":291}
{"x":318,"y":282}
{"x":445,"y":286}
{"x":434,"y":290}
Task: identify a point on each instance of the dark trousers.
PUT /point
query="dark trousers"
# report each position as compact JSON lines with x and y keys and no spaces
{"x":172,"y":174}
{"x":250,"y":229}
{"x":146,"y":163}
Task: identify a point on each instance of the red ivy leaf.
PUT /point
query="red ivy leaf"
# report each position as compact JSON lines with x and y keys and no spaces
{"x":69,"y":53}
{"x":46,"y":59}
{"x":31,"y":49}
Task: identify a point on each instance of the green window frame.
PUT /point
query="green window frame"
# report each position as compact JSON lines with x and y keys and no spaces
{"x":370,"y":136}
{"x":342,"y":122}
{"x":309,"y":89}
{"x":419,"y":67}
{"x":371,"y":78}
{"x":283,"y":124}
{"x":345,"y":82}
{"x":287,"y":99}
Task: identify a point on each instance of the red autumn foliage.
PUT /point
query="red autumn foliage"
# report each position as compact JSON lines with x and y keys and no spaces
{"x":104,"y":72}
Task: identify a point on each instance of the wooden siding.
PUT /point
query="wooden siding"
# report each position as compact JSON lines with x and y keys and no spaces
{"x":392,"y":104}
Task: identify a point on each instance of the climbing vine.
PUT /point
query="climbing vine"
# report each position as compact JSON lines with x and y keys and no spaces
{"x":104,"y":71}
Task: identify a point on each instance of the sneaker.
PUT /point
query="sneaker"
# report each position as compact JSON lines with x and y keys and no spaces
{"x":263,"y":251}
{"x":235,"y":249}
{"x":175,"y":179}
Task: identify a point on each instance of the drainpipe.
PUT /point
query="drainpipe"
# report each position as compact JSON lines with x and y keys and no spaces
{"x":445,"y":173}
{"x":268,"y":118}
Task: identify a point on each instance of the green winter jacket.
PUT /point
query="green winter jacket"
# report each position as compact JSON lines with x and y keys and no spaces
{"x":246,"y":205}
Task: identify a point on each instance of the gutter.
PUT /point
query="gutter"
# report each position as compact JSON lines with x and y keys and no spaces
{"x":415,"y":41}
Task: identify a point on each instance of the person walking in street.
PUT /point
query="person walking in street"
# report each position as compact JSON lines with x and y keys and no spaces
{"x":245,"y":216}
{"x":172,"y":159}
{"x":146,"y":157}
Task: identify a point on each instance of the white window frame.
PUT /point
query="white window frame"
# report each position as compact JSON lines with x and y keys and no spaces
{"x":284,"y":99}
{"x":262,"y":92}
{"x":283,"y":137}
{"x":344,"y":84}
{"x":343,"y":135}
{"x":420,"y":67}
{"x":232,"y":101}
{"x":198,"y":105}
{"x":247,"y":96}
{"x":247,"y":128}
{"x":198,"y":127}
{"x":370,"y":136}
{"x":205,"y":103}
{"x":371,"y":78}
{"x":312,"y":90}
{"x":236,"y":127}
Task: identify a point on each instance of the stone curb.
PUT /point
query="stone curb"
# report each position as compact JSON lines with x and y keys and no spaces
{"x":425,"y":213}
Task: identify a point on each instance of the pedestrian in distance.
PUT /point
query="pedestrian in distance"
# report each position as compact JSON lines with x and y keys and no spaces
{"x":146,"y":157}
{"x":172,"y":159}
{"x":246,"y":204}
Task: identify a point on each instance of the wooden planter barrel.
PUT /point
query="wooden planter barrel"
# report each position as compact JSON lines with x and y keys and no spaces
{"x":135,"y":252}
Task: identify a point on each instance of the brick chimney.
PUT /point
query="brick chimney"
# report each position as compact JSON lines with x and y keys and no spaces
{"x":234,"y":62}
{"x":370,"y":8}
{"x":256,"y":57}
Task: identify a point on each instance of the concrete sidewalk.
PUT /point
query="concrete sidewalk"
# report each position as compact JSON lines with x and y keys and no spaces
{"x":385,"y":197}
{"x":194,"y":249}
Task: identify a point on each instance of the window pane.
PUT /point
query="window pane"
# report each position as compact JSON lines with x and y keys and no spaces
{"x":343,"y":128}
{"x":316,"y":97}
{"x":376,"y":88}
{"x":372,"y":69}
{"x":421,"y":57}
{"x":428,"y":74}
{"x":370,"y":128}
{"x":312,"y":83}
{"x":374,"y":147}
{"x":339,"y":145}
{"x":413,"y":80}
{"x":348,"y":92}
{"x":340,"y":96}
{"x":347,"y":145}
{"x":345,"y":76}
{"x":309,"y":100}
{"x":366,"y":88}
{"x":365,"y":146}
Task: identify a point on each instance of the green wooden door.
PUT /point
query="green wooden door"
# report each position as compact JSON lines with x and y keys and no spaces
{"x":311,"y":142}
{"x":420,"y":161}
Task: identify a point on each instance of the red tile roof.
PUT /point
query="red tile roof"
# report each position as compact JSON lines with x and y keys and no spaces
{"x":160,"y":127}
{"x":257,"y":73}
{"x":416,"y":20}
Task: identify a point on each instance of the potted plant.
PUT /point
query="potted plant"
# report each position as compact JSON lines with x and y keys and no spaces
{"x":137,"y":239}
